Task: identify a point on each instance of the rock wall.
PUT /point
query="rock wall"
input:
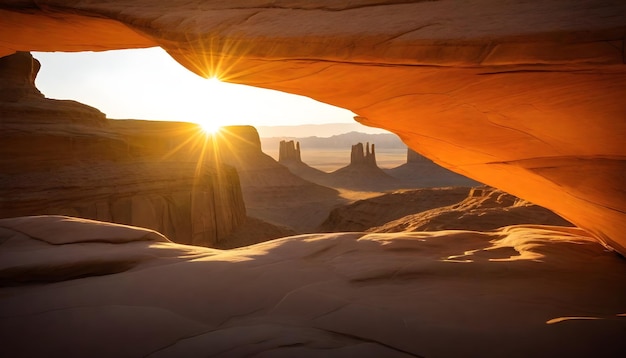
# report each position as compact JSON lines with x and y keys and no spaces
{"x":17,"y":77}
{"x":526,"y":96}
{"x":62,"y":157}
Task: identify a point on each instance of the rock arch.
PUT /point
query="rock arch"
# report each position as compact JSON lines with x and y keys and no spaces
{"x":525,"y":96}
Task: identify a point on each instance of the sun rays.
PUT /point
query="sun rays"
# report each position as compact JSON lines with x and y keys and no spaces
{"x":213,"y":57}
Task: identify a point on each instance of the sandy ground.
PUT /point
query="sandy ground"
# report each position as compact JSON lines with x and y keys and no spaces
{"x":76,"y":288}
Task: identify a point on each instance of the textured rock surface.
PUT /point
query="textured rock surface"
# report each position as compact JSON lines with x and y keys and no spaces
{"x":365,"y":214}
{"x":62,"y":157}
{"x":526,"y":96}
{"x":457,"y":208}
{"x":515,"y":292}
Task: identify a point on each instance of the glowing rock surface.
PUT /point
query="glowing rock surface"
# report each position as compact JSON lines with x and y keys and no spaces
{"x":524,"y":96}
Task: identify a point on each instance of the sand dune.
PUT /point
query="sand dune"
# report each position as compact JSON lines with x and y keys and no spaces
{"x":520,"y":291}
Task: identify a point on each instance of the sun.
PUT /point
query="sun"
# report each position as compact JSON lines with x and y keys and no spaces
{"x":213,"y":87}
{"x":210,"y":127}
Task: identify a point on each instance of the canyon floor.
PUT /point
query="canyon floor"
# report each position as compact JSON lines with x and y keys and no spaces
{"x":76,"y":288}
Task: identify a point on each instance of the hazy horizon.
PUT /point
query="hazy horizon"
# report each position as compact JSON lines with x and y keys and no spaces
{"x":317,"y":130}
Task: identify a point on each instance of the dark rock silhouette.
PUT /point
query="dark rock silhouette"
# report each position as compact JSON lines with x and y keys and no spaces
{"x":360,"y":157}
{"x":289,"y":151}
{"x":361,"y":174}
{"x":413,"y":157}
{"x":421,"y":172}
{"x":18,"y":94}
{"x":17,"y":77}
{"x":289,"y":155}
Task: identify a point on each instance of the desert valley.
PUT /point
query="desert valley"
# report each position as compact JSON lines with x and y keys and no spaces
{"x":488,"y":223}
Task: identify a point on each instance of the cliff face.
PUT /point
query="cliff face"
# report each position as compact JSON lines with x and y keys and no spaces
{"x":525,"y":96}
{"x":17,"y":77}
{"x":62,"y":157}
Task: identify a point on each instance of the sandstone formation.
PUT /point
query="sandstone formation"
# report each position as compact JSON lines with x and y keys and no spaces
{"x":271,"y":192}
{"x":289,"y":155}
{"x":18,"y":94}
{"x":359,"y":156}
{"x":455,"y":208}
{"x":72,"y":288}
{"x":413,"y":157}
{"x":362,"y":173}
{"x":526,"y":96}
{"x":63,"y":157}
{"x":289,"y":151}
{"x":421,"y":172}
{"x":381,"y":209}
{"x":483,"y":209}
{"x":17,"y":77}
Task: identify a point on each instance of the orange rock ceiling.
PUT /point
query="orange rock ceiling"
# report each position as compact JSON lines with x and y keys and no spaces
{"x":526,"y":96}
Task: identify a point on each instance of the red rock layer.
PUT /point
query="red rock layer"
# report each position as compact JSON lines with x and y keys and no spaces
{"x":524,"y":96}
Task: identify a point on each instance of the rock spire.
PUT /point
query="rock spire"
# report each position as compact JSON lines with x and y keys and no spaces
{"x":361,"y":157}
{"x":289,"y":151}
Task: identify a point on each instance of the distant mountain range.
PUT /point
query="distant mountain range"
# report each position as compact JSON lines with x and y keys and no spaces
{"x":341,"y":141}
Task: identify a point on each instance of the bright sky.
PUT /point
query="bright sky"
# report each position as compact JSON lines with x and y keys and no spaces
{"x":149,"y":84}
